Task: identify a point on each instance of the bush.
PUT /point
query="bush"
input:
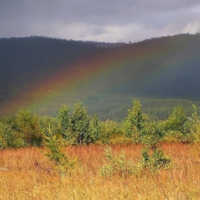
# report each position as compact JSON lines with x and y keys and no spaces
{"x":62,"y":162}
{"x":46,"y":122}
{"x":118,"y":165}
{"x":177,"y":120}
{"x":173,"y":137}
{"x":28,"y":125}
{"x":109,"y":129}
{"x":153,"y":133}
{"x":154,"y":159}
{"x":195,"y":126}
{"x":9,"y":138}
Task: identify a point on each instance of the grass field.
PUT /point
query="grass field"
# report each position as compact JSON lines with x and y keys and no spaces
{"x":28,"y":174}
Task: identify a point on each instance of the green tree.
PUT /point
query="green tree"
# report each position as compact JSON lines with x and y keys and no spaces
{"x":28,"y":124}
{"x":80,"y":124}
{"x":177,"y":120}
{"x":154,"y":132}
{"x":8,"y":136}
{"x":46,"y":122}
{"x":194,"y":126}
{"x":62,"y":162}
{"x":64,"y":121}
{"x":135,"y":122}
{"x":94,"y":128}
{"x":153,"y":157}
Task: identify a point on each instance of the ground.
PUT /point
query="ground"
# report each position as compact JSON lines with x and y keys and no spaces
{"x":28,"y":174}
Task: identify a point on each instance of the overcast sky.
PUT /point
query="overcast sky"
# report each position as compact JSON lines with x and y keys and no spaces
{"x":99,"y":20}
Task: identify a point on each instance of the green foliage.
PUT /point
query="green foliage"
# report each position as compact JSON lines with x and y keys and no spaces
{"x":28,"y":125}
{"x":94,"y":129}
{"x":173,"y":137}
{"x":179,"y":128}
{"x":47,"y":121}
{"x":62,"y":162}
{"x":80,"y":124}
{"x":3,"y":143}
{"x":177,"y":120}
{"x":109,"y":129}
{"x":9,"y":138}
{"x":64,"y":121}
{"x":78,"y":128}
{"x":118,"y":165}
{"x":153,"y":133}
{"x":155,"y":159}
{"x":195,"y":117}
{"x":194,"y":126}
{"x":135,"y":122}
{"x":27,"y":129}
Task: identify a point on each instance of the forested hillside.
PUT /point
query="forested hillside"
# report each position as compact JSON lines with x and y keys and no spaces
{"x":103,"y":76}
{"x":26,"y":60}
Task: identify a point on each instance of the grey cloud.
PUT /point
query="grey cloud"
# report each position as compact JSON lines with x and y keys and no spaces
{"x":82,"y":19}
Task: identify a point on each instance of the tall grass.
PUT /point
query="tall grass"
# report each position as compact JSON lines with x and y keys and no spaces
{"x":27,"y":174}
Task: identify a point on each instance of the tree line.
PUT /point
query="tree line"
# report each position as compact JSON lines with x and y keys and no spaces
{"x":26,"y":128}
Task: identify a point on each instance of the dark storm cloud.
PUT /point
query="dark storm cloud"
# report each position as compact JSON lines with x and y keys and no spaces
{"x":108,"y":20}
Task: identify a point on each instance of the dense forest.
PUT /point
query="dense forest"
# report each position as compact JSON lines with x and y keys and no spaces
{"x":104,"y":76}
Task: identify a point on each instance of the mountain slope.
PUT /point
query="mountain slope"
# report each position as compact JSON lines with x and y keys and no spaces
{"x":44,"y":73}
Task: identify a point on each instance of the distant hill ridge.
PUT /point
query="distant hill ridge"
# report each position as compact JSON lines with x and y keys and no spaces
{"x":158,"y":67}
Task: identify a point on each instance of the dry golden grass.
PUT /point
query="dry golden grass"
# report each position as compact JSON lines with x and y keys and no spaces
{"x":28,"y":174}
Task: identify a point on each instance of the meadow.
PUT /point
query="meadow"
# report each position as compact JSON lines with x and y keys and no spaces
{"x":51,"y":148}
{"x":77,"y":156}
{"x":26,"y":173}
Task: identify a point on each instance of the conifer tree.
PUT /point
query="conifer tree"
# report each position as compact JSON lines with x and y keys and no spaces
{"x":135,"y":122}
{"x":80,"y":124}
{"x":177,"y":119}
{"x":64,"y":121}
{"x":95,"y":128}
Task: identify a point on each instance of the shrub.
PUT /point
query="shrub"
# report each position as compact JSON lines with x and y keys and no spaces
{"x":46,"y":122}
{"x":153,"y":133}
{"x":28,"y":124}
{"x":108,"y":129}
{"x":173,"y":137}
{"x":118,"y":165}
{"x":154,"y":159}
{"x":9,"y":138}
{"x":195,"y":126}
{"x":62,"y":162}
{"x":182,"y":130}
{"x":177,"y":120}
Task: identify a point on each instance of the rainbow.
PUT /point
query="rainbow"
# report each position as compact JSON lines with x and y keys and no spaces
{"x":81,"y":74}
